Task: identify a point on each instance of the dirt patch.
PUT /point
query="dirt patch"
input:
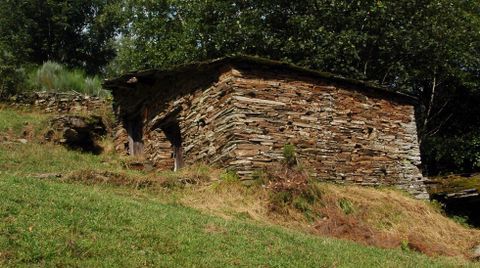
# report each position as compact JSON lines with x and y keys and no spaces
{"x":5,"y":256}
{"x":28,"y":131}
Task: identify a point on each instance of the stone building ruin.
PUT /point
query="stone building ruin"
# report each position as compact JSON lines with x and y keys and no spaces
{"x":239,"y":112}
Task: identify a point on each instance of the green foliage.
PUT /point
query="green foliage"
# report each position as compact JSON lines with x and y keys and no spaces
{"x":312,"y":193}
{"x":172,"y":182}
{"x":406,"y":45}
{"x":405,"y":245}
{"x":301,"y":204}
{"x":302,"y":199}
{"x":229,"y":176}
{"x":346,"y":206}
{"x":12,"y":76}
{"x":289,"y":154}
{"x":452,"y":152}
{"x":452,"y":140}
{"x":75,"y":33}
{"x":281,"y":199}
{"x":54,"y":77}
{"x":11,"y":81}
{"x":462,"y":220}
{"x":260,"y":177}
{"x":393,"y":42}
{"x":438,"y":206}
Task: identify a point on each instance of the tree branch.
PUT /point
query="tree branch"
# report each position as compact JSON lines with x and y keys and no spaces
{"x":432,"y":99}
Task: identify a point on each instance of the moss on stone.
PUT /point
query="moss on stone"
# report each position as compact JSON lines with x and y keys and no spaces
{"x":454,"y":183}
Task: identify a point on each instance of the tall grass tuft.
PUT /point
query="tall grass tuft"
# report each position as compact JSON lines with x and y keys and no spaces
{"x":54,"y":77}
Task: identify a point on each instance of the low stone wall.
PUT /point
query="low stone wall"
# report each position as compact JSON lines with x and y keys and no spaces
{"x":58,"y":102}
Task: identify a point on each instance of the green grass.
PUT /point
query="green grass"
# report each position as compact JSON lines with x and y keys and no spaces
{"x":16,"y":120}
{"x":35,"y":158}
{"x":47,"y":223}
{"x":54,"y":77}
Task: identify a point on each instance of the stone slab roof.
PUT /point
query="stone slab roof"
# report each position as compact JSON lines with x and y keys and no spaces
{"x":129,"y":80}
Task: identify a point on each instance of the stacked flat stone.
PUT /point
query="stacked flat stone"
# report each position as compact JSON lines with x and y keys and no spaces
{"x":58,"y":102}
{"x":241,"y":118}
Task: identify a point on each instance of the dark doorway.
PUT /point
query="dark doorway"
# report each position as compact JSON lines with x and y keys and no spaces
{"x":135,"y":136}
{"x":173,"y":134}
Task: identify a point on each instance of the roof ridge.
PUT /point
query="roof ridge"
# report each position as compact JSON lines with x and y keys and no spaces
{"x":111,"y":84}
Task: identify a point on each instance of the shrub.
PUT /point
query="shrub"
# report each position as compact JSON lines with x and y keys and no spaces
{"x":12,"y":80}
{"x":301,"y":203}
{"x":54,"y":77}
{"x":462,"y":220}
{"x":346,"y":206}
{"x":260,"y":177}
{"x":291,"y":187}
{"x":229,"y":176}
{"x":289,"y":154}
{"x":12,"y":76}
{"x":280,"y":200}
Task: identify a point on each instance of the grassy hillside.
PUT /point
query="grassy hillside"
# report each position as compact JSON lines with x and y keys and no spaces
{"x":55,"y":224}
{"x":198,"y":218}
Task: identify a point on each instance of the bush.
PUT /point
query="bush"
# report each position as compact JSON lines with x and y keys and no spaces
{"x":12,"y":76}
{"x":12,"y":80}
{"x":346,"y":206}
{"x":462,"y":220}
{"x":289,"y":154}
{"x":54,"y":77}
{"x":291,"y":188}
{"x":260,"y":177}
{"x":229,"y":176}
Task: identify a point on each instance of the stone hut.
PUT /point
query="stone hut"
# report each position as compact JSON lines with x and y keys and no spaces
{"x":239,"y":112}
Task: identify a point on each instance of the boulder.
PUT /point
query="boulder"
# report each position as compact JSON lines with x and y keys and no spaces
{"x":77,"y":132}
{"x":476,"y":253}
{"x":459,"y":194}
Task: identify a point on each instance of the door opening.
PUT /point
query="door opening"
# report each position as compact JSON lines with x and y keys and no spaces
{"x":135,"y":136}
{"x":173,"y":134}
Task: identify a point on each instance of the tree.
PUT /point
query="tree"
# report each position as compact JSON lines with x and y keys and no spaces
{"x":76,"y":33}
{"x":428,"y":48}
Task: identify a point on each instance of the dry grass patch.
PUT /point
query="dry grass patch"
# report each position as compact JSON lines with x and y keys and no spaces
{"x":396,"y":219}
{"x":385,"y":218}
{"x":97,"y":177}
{"x":228,"y":200}
{"x":157,"y":181}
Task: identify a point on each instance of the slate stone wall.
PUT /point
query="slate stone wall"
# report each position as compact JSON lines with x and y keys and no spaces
{"x":341,"y":134}
{"x":207,"y":120}
{"x":244,"y":118}
{"x":58,"y":102}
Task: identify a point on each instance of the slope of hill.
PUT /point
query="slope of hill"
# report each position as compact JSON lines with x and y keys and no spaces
{"x":55,"y":224}
{"x":67,"y":208}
